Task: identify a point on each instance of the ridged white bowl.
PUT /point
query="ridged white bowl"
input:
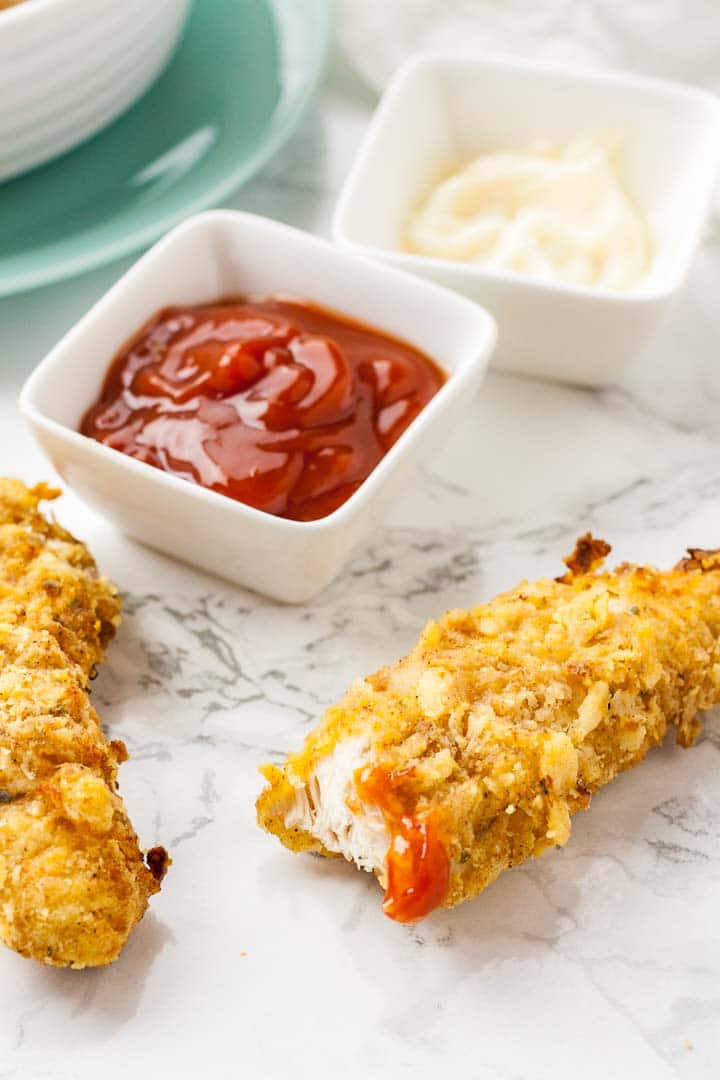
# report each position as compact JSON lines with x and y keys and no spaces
{"x":69,"y":67}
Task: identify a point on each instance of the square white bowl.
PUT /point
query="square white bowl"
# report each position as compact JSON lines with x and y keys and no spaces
{"x":444,"y":108}
{"x":221,"y":255}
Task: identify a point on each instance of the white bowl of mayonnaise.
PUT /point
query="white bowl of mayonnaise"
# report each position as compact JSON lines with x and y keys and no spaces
{"x":568,"y":203}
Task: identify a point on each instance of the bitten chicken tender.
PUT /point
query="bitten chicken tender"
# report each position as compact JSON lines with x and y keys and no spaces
{"x":472,"y":753}
{"x":73,"y":882}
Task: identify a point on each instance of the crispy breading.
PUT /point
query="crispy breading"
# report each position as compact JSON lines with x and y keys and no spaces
{"x":73,"y":882}
{"x":472,"y":753}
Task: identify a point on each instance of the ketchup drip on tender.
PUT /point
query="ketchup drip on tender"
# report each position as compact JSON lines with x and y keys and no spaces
{"x":418,"y":868}
{"x":279,"y":404}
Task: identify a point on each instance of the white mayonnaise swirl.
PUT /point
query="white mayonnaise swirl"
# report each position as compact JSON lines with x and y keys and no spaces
{"x":555,"y":213}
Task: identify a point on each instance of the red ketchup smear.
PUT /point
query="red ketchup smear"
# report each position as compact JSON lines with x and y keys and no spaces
{"x":281,"y":405}
{"x":418,"y":868}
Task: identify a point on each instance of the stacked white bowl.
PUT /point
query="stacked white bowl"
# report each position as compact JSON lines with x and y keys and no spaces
{"x":70,"y":67}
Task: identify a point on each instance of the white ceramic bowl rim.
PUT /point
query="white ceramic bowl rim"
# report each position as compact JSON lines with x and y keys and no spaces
{"x":599,"y":77}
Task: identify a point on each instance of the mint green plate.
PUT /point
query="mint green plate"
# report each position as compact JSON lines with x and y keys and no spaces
{"x":233,"y":93}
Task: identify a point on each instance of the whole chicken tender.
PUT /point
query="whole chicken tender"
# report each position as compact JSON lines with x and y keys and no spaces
{"x":73,"y":881}
{"x":472,"y":753}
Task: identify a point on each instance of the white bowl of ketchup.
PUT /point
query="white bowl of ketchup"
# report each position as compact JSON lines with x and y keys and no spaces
{"x":70,"y":67}
{"x":286,"y":547}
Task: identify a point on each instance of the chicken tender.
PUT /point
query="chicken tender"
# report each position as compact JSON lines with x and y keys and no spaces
{"x":472,"y":753}
{"x":73,"y":881}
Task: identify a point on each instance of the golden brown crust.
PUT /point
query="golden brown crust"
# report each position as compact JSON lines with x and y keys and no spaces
{"x":158,"y":863}
{"x":588,"y":555}
{"x":73,"y":882}
{"x":700,"y":559}
{"x":505,"y":719}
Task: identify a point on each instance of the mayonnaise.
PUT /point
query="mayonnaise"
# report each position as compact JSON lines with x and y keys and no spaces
{"x":556,"y":213}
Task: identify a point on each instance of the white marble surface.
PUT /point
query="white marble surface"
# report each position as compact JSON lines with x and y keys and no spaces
{"x":599,"y":960}
{"x":673,"y":39}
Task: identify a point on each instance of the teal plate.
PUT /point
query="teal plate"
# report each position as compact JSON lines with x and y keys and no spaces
{"x":233,"y":93}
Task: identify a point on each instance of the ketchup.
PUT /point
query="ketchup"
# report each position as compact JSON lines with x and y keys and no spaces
{"x":418,"y":868}
{"x":277,"y":403}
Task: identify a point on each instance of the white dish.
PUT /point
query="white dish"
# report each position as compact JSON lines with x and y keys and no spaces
{"x":442,"y":109}
{"x":223,"y":254}
{"x":69,"y":67}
